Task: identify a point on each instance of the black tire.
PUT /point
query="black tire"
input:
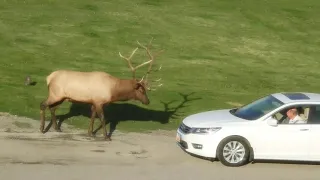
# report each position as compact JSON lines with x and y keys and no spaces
{"x":227,"y":140}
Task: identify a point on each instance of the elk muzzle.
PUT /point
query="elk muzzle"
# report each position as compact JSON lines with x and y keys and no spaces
{"x":144,"y":99}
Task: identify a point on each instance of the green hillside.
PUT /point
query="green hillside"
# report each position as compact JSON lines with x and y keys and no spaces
{"x":218,"y":51}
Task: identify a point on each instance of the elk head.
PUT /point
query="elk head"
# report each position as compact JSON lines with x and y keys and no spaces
{"x":141,"y":86}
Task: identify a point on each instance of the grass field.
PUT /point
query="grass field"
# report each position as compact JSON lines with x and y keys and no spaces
{"x":220,"y":50}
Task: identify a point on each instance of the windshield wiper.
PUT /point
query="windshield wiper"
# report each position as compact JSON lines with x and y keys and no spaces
{"x":232,"y":111}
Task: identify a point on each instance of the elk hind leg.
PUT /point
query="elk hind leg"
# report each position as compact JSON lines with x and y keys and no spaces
{"x":93,"y":116}
{"x":99,"y":110}
{"x":53,"y":107}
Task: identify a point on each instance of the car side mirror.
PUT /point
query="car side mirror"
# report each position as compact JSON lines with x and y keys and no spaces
{"x":272,"y":122}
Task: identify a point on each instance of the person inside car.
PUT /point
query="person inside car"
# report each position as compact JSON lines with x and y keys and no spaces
{"x":293,"y":117}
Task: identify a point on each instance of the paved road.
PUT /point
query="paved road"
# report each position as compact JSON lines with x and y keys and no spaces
{"x":129,"y":156}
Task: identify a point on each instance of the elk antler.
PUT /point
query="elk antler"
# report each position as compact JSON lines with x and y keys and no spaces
{"x":133,"y":69}
{"x":151,"y":60}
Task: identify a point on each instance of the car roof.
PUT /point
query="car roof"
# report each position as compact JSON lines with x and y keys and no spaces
{"x":290,"y":97}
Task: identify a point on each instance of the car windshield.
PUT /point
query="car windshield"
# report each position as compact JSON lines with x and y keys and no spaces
{"x":258,"y":108}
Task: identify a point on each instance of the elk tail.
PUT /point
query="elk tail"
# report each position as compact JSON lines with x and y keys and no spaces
{"x":50,"y":77}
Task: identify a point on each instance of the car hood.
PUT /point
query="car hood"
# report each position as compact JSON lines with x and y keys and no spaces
{"x":212,"y":118}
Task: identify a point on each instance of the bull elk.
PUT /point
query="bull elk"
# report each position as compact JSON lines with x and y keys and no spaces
{"x":96,"y":88}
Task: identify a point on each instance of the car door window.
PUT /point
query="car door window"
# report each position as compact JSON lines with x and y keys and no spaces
{"x":302,"y":111}
{"x":314,"y":115}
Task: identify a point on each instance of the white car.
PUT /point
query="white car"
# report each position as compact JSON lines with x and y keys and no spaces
{"x":256,"y":131}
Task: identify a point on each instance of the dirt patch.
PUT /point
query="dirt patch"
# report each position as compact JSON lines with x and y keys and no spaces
{"x":38,"y":162}
{"x":15,"y":124}
{"x":17,"y":137}
{"x":98,"y":150}
{"x":22,"y":125}
{"x":140,"y":152}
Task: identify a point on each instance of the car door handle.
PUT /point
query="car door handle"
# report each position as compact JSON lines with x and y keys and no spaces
{"x":304,"y":129}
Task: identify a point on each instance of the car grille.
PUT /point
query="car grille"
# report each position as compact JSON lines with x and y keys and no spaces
{"x":184,"y":128}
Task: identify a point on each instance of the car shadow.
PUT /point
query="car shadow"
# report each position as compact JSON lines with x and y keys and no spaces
{"x":292,"y":162}
{"x":119,"y":112}
{"x":261,"y":161}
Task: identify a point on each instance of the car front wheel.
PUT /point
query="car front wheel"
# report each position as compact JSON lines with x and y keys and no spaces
{"x":233,"y":152}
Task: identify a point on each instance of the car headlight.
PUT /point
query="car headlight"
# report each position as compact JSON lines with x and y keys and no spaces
{"x":205,"y":130}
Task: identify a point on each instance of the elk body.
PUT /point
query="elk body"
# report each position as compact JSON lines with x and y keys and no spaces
{"x":96,"y":88}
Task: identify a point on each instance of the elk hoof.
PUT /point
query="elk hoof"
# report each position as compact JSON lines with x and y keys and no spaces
{"x":91,"y":134}
{"x":58,"y":130}
{"x":42,"y":130}
{"x":107,"y":139}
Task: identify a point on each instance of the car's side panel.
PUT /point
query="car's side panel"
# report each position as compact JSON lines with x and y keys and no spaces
{"x":285,"y":142}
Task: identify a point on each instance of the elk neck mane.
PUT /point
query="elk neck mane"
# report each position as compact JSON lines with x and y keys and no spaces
{"x":124,"y":90}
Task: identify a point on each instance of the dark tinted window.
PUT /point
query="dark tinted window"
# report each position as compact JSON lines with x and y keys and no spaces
{"x":296,"y":96}
{"x":314,"y":115}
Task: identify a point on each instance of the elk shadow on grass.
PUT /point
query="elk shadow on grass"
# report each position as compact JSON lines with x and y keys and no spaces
{"x":117,"y":112}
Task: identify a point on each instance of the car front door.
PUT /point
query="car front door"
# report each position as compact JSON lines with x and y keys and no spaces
{"x":288,"y":141}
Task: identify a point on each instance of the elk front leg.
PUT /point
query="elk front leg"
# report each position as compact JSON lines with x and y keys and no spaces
{"x":99,"y":110}
{"x":93,"y":116}
{"x":50,"y":101}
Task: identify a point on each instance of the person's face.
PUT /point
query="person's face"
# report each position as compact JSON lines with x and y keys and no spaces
{"x":290,"y":113}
